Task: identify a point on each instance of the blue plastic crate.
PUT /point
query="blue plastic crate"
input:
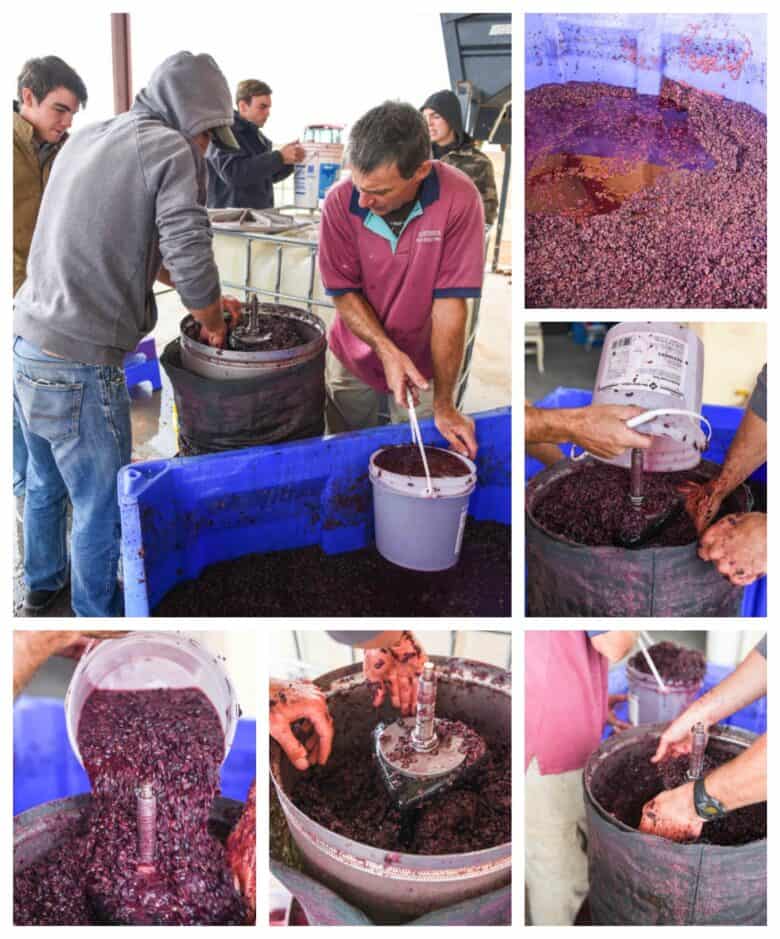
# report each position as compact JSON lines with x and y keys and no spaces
{"x":752,"y":717}
{"x":142,"y":365}
{"x":45,"y":767}
{"x":180,"y":515}
{"x":724,"y":421}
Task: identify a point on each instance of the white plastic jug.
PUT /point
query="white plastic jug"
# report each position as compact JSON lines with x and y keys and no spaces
{"x":657,"y":367}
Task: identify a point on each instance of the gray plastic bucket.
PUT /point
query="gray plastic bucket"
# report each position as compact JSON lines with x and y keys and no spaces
{"x":415,"y":529}
{"x":647,"y":704}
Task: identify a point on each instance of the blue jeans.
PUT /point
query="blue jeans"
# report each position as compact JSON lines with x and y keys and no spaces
{"x":20,"y":456}
{"x":76,"y":423}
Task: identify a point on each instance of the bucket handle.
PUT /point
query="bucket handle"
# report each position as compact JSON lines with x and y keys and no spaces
{"x":662,"y":412}
{"x":643,"y":419}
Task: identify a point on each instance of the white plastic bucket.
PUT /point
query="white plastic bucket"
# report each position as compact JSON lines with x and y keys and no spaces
{"x":656,"y":367}
{"x":647,"y":704}
{"x":415,"y":529}
{"x":319,"y":171}
{"x":146,"y":660}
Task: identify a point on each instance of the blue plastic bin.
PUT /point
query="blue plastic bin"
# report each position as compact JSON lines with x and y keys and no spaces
{"x":640,"y":50}
{"x":142,"y":365}
{"x":752,"y":717}
{"x":180,"y":515}
{"x":724,"y":421}
{"x":45,"y":767}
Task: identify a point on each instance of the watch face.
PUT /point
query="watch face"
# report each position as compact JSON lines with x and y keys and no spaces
{"x":709,"y":810}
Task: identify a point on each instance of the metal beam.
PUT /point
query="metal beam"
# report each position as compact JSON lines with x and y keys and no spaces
{"x":120,"y":52}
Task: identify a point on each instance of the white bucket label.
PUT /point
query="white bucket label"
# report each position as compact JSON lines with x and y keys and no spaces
{"x":461,"y":527}
{"x":646,"y":360}
{"x":633,"y":709}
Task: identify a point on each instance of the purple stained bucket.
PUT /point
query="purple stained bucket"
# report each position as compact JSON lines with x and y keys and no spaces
{"x":416,"y":529}
{"x":647,"y":704}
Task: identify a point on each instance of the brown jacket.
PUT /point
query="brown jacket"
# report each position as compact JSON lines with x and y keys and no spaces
{"x":29,"y":180}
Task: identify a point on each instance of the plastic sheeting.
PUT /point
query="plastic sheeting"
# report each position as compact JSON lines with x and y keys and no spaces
{"x":724,"y":421}
{"x":642,"y":880}
{"x":215,"y":416}
{"x":567,"y":579}
{"x":721,"y":54}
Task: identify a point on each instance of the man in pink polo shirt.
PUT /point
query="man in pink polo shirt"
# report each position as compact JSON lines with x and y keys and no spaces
{"x":566,"y":707}
{"x":401,"y":250}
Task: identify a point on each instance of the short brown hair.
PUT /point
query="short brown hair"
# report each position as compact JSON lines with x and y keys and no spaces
{"x":251,"y":88}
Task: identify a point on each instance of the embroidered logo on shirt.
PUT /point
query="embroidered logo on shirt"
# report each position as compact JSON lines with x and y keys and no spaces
{"x":432,"y":234}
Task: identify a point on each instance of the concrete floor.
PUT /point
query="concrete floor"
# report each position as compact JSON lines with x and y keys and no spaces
{"x":490,"y":386}
{"x":566,"y":365}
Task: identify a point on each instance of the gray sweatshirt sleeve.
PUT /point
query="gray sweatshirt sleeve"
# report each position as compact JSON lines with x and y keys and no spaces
{"x":177,"y":176}
{"x":760,"y":646}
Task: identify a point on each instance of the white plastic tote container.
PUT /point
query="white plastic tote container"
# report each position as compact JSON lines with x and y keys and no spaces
{"x":415,"y":529}
{"x":657,"y":367}
{"x":319,"y":171}
{"x":145,"y":660}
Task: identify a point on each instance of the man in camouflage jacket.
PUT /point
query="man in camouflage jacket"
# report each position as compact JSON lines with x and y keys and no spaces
{"x":451,"y":144}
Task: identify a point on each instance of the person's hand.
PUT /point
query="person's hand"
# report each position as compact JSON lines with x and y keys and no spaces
{"x":86,"y":639}
{"x":736,"y":545}
{"x":401,"y":373}
{"x":32,"y":647}
{"x":703,"y":501}
{"x":457,"y":429}
{"x":601,"y":430}
{"x":612,"y":719}
{"x":234,"y":307}
{"x":395,"y":668}
{"x":293,"y":153}
{"x":241,"y":854}
{"x":672,"y":815}
{"x":677,"y":739}
{"x":216,"y":337}
{"x":302,"y":701}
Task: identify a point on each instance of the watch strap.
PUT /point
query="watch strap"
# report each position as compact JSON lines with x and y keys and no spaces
{"x":707,"y":807}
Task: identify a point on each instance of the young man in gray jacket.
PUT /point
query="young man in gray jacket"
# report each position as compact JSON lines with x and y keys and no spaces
{"x":125,"y":205}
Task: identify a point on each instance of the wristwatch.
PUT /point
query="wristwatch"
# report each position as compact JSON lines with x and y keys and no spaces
{"x":706,"y":806}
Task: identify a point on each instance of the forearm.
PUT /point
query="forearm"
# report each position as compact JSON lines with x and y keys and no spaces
{"x":33,"y":648}
{"x":360,"y":318}
{"x":243,"y":169}
{"x":741,"y":781}
{"x":746,"y":453}
{"x":448,"y":333}
{"x":386,"y":638}
{"x":283,"y":173}
{"x":615,"y":644}
{"x":743,"y":686}
{"x":549,"y":425}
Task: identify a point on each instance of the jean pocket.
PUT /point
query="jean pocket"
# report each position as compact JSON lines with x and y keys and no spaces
{"x":51,"y":409}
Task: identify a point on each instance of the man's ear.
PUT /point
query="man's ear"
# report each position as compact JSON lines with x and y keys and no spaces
{"x":28,"y":98}
{"x":423,"y":170}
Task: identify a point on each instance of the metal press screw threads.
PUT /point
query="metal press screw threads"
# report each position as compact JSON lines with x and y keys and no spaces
{"x":254,"y":314}
{"x":637,"y":463}
{"x":146,"y":816}
{"x":696,"y":762}
{"x":424,"y":734}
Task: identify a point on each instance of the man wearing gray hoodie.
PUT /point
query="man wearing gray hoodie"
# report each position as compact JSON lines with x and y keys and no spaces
{"x":124,"y":206}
